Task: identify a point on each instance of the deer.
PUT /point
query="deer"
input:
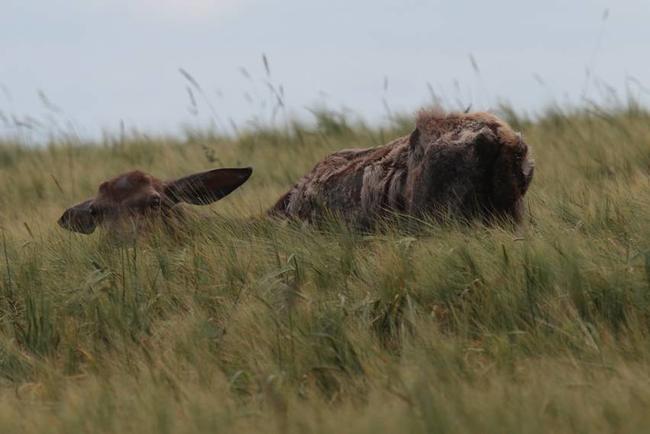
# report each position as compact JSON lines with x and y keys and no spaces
{"x":460,"y":165}
{"x":136,"y":199}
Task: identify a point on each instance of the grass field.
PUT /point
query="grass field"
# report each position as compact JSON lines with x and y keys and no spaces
{"x":241,"y":325}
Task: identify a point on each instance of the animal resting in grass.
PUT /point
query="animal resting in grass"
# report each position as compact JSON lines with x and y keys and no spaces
{"x":135,"y":198}
{"x":465,"y":165}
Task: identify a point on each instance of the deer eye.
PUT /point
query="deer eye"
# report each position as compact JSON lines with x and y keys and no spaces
{"x":155,"y":201}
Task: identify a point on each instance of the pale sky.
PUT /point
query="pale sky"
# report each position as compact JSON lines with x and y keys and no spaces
{"x":100,"y":62}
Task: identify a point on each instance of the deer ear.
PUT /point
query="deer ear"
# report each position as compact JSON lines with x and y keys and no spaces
{"x":79,"y":218}
{"x":207,"y":187}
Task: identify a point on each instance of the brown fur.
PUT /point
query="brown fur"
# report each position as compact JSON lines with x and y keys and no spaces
{"x":128,"y":201}
{"x":465,"y":164}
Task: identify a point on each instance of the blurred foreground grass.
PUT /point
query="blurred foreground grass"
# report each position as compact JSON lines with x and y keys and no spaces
{"x":255,"y":326}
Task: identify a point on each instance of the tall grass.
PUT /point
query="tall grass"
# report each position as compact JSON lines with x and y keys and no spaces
{"x":249,"y":325}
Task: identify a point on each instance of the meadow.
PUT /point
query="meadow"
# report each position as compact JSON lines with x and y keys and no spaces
{"x":243,"y":324}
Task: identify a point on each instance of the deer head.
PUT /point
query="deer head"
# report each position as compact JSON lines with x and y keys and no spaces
{"x":137,"y":197}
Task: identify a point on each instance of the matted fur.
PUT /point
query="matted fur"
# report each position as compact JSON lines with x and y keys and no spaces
{"x":466,"y":165}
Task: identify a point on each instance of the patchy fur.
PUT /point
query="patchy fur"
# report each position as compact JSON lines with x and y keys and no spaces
{"x":469,"y":165}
